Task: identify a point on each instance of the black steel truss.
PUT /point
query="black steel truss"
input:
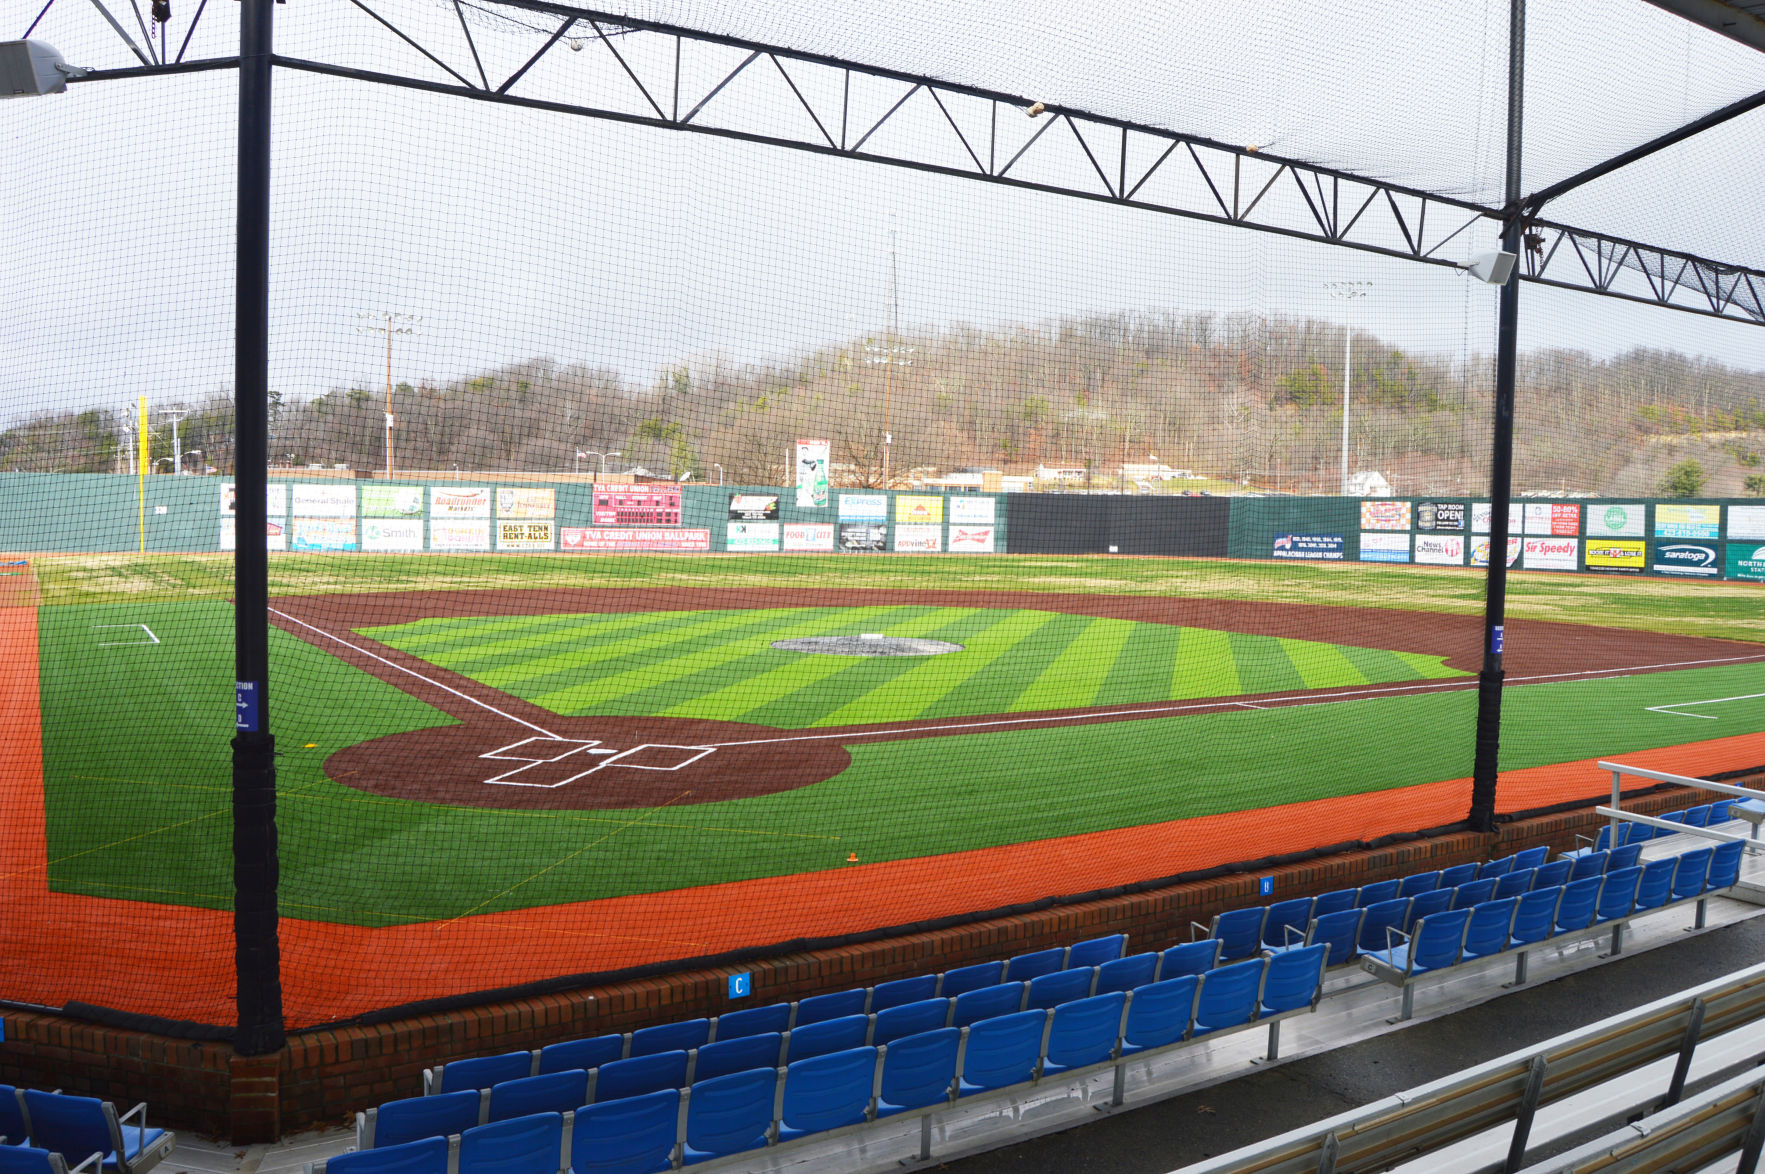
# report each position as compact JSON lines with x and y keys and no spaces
{"x":831,"y":106}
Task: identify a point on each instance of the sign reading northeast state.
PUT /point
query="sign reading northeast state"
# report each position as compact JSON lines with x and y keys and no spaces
{"x":1309,"y":546}
{"x":1746,"y":560}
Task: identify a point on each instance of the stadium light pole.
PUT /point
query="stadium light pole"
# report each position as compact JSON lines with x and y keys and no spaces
{"x":386,"y":320}
{"x":1346,"y":292}
{"x":589,"y":452}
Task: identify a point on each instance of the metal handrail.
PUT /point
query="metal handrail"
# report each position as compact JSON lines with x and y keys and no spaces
{"x":1619,"y":815}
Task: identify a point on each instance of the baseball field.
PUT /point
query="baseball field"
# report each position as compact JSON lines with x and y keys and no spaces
{"x":499,"y":770}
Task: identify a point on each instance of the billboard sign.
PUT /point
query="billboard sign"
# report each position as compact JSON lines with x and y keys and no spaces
{"x":1746,"y":560}
{"x":921,"y":539}
{"x":275,"y":535}
{"x":915,"y":510}
{"x":1744,"y":521}
{"x":526,"y":502}
{"x":455,"y":501}
{"x":1553,"y":518}
{"x":275,"y":500}
{"x":1617,"y":520}
{"x":808,"y":536}
{"x":971,"y":539}
{"x":864,"y":507}
{"x":324,"y":501}
{"x":1694,"y":560}
{"x":1443,"y":550}
{"x":524,"y":535}
{"x":1385,"y":548}
{"x":1688,"y":521}
{"x":323,"y":533}
{"x":752,"y":536}
{"x":1440,"y":515}
{"x":1310,"y":546}
{"x":812,"y":457}
{"x":392,"y":501}
{"x":973,"y":511}
{"x":1481,"y":512}
{"x":863,"y":536}
{"x":753,"y":507}
{"x":636,"y":505}
{"x":449,"y":534}
{"x":608,"y":540}
{"x":393,"y":534}
{"x":1616,"y":554}
{"x":1550,"y":554}
{"x":1386,"y":515}
{"x":1480,"y":551}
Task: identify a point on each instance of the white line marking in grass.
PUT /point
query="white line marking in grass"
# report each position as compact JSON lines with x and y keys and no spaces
{"x":414,"y":673}
{"x":151,"y":638}
{"x":1674,"y":708}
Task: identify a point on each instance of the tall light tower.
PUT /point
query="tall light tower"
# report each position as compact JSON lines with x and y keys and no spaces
{"x":175,"y":415}
{"x":890,"y":354}
{"x":391,"y":323}
{"x":1347,"y":291}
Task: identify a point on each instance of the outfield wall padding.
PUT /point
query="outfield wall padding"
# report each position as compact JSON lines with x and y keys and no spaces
{"x":1080,"y":523}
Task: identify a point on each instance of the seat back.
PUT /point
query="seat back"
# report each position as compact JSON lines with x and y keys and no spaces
{"x":523,"y":1145}
{"x":1655,"y":885}
{"x":837,"y":1005}
{"x":1486,"y":932}
{"x":12,"y":1116}
{"x":893,"y":1023}
{"x":555,"y":1092}
{"x":971,"y":978}
{"x":1625,"y":857}
{"x":1189,"y":958}
{"x":580,"y":1053}
{"x":1051,"y":990}
{"x":1497,"y":868}
{"x":1617,"y":895}
{"x":1427,"y":905}
{"x":754,"y":1021}
{"x":986,"y":1003}
{"x":1576,"y":909}
{"x":1161,"y":1012}
{"x":1724,"y":865}
{"x":1096,"y":952}
{"x":396,"y":1122}
{"x":1458,"y":874}
{"x":827,"y":1092}
{"x":670,"y":1037}
{"x":1027,"y":966}
{"x":1124,"y":974}
{"x":480,"y":1072}
{"x":1286,"y":922}
{"x":918,"y":1070}
{"x":1697,"y":817}
{"x":1532,"y":857}
{"x":1688,"y":881}
{"x":1591,"y":864}
{"x":1603,"y":841}
{"x":1719,"y":811}
{"x":1293,"y":980}
{"x":1671,"y":817}
{"x":1002,"y":1051}
{"x":428,"y":1156}
{"x":901,"y":991}
{"x":1550,"y":875}
{"x":1513,"y":883}
{"x":1239,"y":932}
{"x":1339,"y":932}
{"x":1228,"y":996}
{"x":830,"y":1035}
{"x":23,"y":1159}
{"x":1473,"y":893}
{"x":1535,"y":914}
{"x":1084,"y":1032}
{"x":1417,"y":883}
{"x":1377,"y":892}
{"x":631,"y":1136}
{"x":1385,"y":915}
{"x":1438,"y":940}
{"x":729,"y":1114}
{"x":724,"y":1056}
{"x":638,"y":1075}
{"x":1335,"y":901}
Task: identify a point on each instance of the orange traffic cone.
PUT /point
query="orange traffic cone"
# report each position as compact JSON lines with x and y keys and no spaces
{"x":852,"y":859}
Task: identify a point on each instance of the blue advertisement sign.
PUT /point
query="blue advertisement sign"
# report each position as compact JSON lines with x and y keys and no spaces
{"x":1310,"y":546}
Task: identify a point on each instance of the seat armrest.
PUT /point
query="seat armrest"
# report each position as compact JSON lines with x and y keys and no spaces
{"x":1392,"y":931}
{"x":1287,"y":934}
{"x":1196,"y":925}
{"x":141,"y":1109}
{"x":89,"y":1166}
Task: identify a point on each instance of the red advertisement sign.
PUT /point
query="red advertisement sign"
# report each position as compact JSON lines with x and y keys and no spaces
{"x":597,"y":539}
{"x":637,"y":505}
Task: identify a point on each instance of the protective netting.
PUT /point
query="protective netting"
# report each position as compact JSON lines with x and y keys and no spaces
{"x":606,"y":458}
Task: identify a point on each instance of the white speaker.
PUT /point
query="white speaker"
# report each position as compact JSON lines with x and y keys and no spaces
{"x":1495,"y":268}
{"x":30,"y":68}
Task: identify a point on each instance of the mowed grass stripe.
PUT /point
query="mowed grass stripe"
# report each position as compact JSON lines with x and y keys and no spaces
{"x":1431,"y":668}
{"x":1263,"y":666}
{"x":1321,"y":666}
{"x":470,"y":651}
{"x":996,"y":686}
{"x":444,"y":632}
{"x":1204,"y":666}
{"x":1379,"y":665}
{"x":543,"y":674}
{"x":1075,"y":676}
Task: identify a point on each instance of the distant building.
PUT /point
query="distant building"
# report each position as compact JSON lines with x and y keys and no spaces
{"x":1059,"y":473}
{"x":1369,"y":484}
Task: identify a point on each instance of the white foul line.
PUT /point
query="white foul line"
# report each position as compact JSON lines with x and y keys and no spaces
{"x":1674,"y":708}
{"x":414,"y":673}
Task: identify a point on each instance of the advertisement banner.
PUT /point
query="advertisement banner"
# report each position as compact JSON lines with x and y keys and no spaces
{"x":1310,"y":546}
{"x":1617,"y":520}
{"x":1440,"y":515}
{"x":1550,"y":554}
{"x":864,"y":507}
{"x":1441,"y":550}
{"x":324,"y":501}
{"x":1386,"y":515}
{"x":636,"y":505}
{"x":1480,"y":516}
{"x":752,"y":535}
{"x":447,"y":534}
{"x":1616,"y":554}
{"x":753,"y":507}
{"x":1692,"y":560}
{"x":863,"y":536}
{"x":812,"y":474}
{"x":1744,"y":521}
{"x":526,"y":502}
{"x":971,"y":539}
{"x":1480,"y":552}
{"x":392,"y":501}
{"x":524,"y":535}
{"x":1688,"y":521}
{"x":1746,"y":561}
{"x":275,"y":535}
{"x":973,"y":511}
{"x":323,"y":533}
{"x":454,"y":501}
{"x":913,"y":510}
{"x":395,"y":534}
{"x":602,"y":540}
{"x":1385,"y":548}
{"x":1552,"y":518}
{"x":921,"y":539}
{"x":275,"y":500}
{"x":808,"y":536}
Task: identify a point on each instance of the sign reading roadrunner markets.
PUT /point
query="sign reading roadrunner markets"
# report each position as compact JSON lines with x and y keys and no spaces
{"x":604,"y":540}
{"x":1694,"y":560}
{"x":1746,"y":561}
{"x":753,"y":535}
{"x":971,"y":539}
{"x":1616,"y":554}
{"x":972,"y":511}
{"x":1553,"y":518}
{"x":1386,"y":515}
{"x":924,"y":539}
{"x":1550,"y":554}
{"x":393,"y":534}
{"x":392,"y":501}
{"x":753,"y":507}
{"x":636,"y":505}
{"x":1385,"y":548}
{"x":863,"y":536}
{"x":454,"y":501}
{"x":524,"y":535}
{"x":1480,"y":551}
{"x":1440,"y":515}
{"x":1446,"y":550}
{"x":812,"y":457}
{"x":913,"y":510}
{"x":1688,"y":521}
{"x":1744,"y":521}
{"x":864,"y":507}
{"x":1616,"y":520}
{"x":1309,"y":546}
{"x":525,"y":502}
{"x":808,"y":536}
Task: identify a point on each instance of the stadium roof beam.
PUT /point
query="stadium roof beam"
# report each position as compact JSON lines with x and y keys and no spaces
{"x":1739,"y":20}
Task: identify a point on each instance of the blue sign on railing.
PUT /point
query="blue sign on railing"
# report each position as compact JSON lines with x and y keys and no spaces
{"x":740,"y":986}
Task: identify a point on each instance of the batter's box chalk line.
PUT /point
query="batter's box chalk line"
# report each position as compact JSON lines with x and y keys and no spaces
{"x":151,"y":638}
{"x":535,"y":753}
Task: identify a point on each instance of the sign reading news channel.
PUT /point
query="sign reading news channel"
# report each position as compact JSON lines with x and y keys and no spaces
{"x":1310,"y":546}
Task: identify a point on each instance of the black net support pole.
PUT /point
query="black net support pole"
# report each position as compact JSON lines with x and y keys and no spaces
{"x":1501,"y":463}
{"x":256,"y":950}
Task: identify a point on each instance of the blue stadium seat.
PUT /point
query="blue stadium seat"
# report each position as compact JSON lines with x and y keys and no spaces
{"x":1339,"y":931}
{"x":1590,"y":864}
{"x":12,"y":1116}
{"x":1379,"y":918}
{"x":1534,"y":916}
{"x":1617,"y":896}
{"x":1189,"y":958}
{"x":1697,"y":817}
{"x":987,"y":1003}
{"x":775,"y":1018}
{"x":480,"y":1072}
{"x":24,"y":1159}
{"x":1096,"y":952}
{"x":1724,"y":866}
{"x":1001,"y":1052}
{"x":630,"y":1136}
{"x":1655,"y":885}
{"x":1335,"y":901}
{"x":827,"y":1092}
{"x":1051,"y":990}
{"x":1719,"y":812}
{"x":1436,"y":943}
{"x":1378,"y":892}
{"x":1497,"y":868}
{"x":1286,"y":921}
{"x":901,"y":991}
{"x":1474,"y":893}
{"x":1575,"y":911}
{"x":670,"y":1037}
{"x":1294,"y":980}
{"x":1124,"y":974}
{"x":523,"y":1145}
{"x":1489,"y":927}
{"x":1688,"y":882}
{"x":581,"y":1053}
{"x":1427,"y":905}
{"x":639,"y":1075}
{"x":1027,"y":966}
{"x":1228,"y":996}
{"x":1670,"y":817}
{"x":1417,"y":883}
{"x":428,"y":1156}
{"x":837,"y":1005}
{"x":1239,"y":932}
{"x":1084,"y":1032}
{"x":1513,"y":884}
{"x":1549,"y":876}
{"x":830,"y":1035}
{"x":397,"y":1122}
{"x":971,"y":978}
{"x":1458,"y":874}
{"x":724,"y":1056}
{"x":729,"y":1115}
{"x":1532,"y":857}
{"x":1625,"y":857}
{"x":918,"y":1071}
{"x":895,"y":1023}
{"x":555,"y":1092}
{"x":1160,"y":1014}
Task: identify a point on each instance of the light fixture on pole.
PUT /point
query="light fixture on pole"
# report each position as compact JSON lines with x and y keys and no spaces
{"x":175,"y":415}
{"x":891,"y":355}
{"x":719,"y":469}
{"x":589,"y":452}
{"x":1347,"y":291}
{"x":391,"y":323}
{"x":195,"y":452}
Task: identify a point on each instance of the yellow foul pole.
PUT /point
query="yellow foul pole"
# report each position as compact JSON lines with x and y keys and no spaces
{"x":141,"y":450}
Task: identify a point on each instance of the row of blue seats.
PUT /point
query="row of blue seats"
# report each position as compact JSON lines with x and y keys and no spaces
{"x":745,"y":1110}
{"x":40,"y":1131}
{"x":1705,"y":815}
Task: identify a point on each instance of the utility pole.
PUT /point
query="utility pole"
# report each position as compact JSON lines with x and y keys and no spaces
{"x":392,"y":324}
{"x":1346,"y":292}
{"x":175,"y":415}
{"x":890,"y":354}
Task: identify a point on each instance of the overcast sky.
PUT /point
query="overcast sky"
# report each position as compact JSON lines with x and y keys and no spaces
{"x":517,"y":233}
